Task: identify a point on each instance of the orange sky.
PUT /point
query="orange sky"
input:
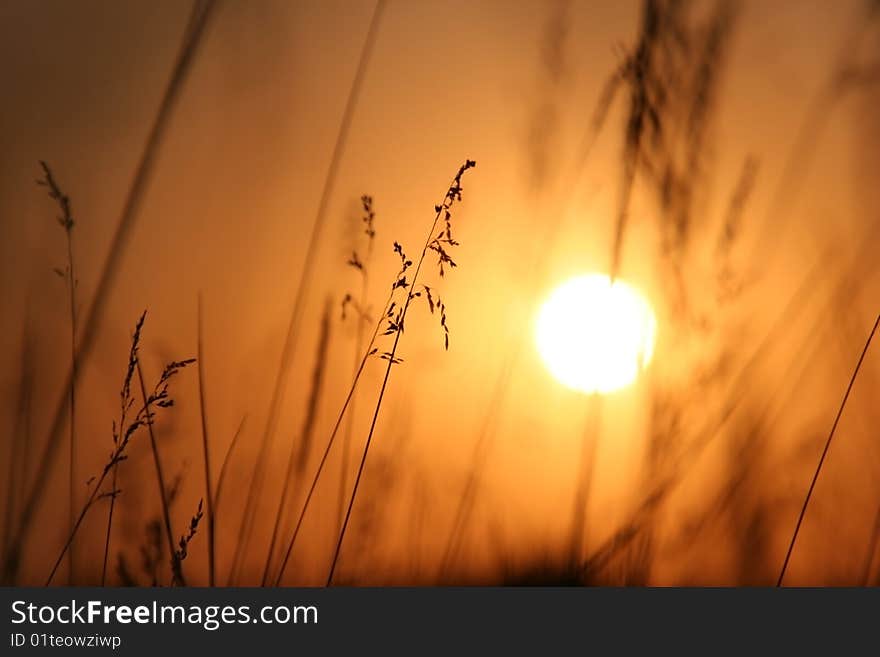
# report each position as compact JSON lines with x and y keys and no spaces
{"x":229,"y":210}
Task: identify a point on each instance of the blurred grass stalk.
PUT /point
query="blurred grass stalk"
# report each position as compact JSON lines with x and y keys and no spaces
{"x":298,"y":458}
{"x":300,"y":298}
{"x":199,"y":18}
{"x":209,"y":494}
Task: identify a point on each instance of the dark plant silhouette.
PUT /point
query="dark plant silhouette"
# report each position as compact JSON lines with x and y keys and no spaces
{"x":199,"y":18}
{"x":362,"y":318}
{"x":157,"y":398}
{"x":68,"y":273}
{"x":825,"y":449}
{"x":440,"y":243}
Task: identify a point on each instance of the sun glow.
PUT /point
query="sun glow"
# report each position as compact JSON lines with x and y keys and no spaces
{"x":594,"y":335}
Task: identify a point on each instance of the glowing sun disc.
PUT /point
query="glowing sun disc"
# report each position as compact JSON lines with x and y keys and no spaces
{"x":595,"y":336}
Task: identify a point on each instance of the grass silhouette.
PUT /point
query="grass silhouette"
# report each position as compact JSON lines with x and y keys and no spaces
{"x":667,"y":93}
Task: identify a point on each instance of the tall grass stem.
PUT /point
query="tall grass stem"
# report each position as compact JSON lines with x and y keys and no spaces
{"x":825,"y":449}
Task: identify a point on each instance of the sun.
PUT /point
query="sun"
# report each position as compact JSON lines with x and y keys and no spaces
{"x":594,"y":335}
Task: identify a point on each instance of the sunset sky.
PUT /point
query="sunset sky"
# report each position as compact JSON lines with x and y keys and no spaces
{"x":231,"y":204}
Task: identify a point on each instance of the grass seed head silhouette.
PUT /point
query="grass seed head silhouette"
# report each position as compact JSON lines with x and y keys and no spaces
{"x":437,"y":242}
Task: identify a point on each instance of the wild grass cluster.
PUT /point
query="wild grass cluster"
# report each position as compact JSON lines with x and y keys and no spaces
{"x":667,"y":92}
